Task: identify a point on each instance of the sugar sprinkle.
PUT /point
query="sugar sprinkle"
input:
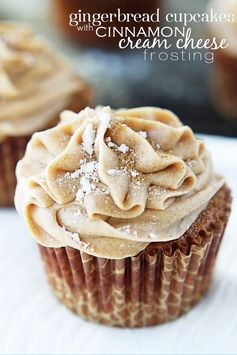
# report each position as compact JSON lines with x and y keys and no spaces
{"x":88,"y":139}
{"x":143,"y":134}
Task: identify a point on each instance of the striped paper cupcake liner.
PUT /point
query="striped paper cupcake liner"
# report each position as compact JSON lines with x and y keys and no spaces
{"x":11,"y":150}
{"x":159,"y":284}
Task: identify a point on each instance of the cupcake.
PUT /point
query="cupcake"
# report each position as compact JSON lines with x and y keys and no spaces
{"x":127,"y":212}
{"x":224,"y":83}
{"x":35,"y":86}
{"x":83,"y":10}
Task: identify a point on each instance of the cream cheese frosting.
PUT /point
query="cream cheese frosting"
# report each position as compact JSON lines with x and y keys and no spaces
{"x":225,"y":30}
{"x":109,"y":182}
{"x":35,"y":85}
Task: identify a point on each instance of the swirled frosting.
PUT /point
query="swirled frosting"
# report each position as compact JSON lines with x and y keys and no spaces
{"x":35,"y":84}
{"x":110,"y":182}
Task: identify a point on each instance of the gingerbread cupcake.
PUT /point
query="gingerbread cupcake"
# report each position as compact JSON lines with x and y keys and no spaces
{"x":127,"y":212}
{"x":35,"y":85}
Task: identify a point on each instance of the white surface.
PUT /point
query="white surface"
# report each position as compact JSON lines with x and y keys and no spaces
{"x":32,"y":321}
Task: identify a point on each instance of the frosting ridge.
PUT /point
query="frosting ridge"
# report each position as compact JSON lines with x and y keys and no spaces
{"x":109,"y":182}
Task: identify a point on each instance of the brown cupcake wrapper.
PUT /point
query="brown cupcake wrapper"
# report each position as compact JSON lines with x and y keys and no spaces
{"x":159,"y":284}
{"x":12,"y":149}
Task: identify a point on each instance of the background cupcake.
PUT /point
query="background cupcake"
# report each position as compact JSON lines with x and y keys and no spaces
{"x":127,"y":211}
{"x":224,"y":73}
{"x":35,"y":85}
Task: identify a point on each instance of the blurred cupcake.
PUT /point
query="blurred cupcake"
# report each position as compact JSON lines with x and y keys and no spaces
{"x":35,"y":85}
{"x":224,"y":76}
{"x":127,"y":212}
{"x":64,"y":9}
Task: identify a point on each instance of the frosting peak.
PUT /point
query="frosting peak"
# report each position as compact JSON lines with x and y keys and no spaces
{"x":115,"y":179}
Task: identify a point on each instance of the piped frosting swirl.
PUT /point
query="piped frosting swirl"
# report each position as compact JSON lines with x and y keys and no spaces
{"x":110,"y":182}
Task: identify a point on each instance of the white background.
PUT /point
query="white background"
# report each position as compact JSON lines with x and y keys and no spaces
{"x":32,"y":321}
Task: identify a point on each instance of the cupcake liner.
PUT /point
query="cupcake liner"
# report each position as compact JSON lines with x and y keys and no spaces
{"x":138,"y":291}
{"x":159,"y":284}
{"x":11,"y":150}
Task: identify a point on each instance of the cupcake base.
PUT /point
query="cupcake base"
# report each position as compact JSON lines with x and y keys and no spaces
{"x":12,"y":149}
{"x":159,"y":284}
